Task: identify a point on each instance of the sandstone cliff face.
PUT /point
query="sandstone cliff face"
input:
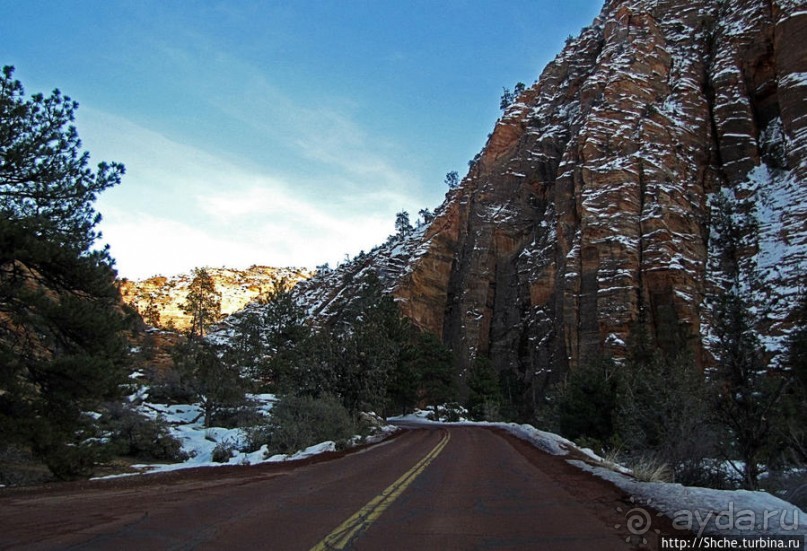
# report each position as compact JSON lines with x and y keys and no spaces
{"x":590,"y":203}
{"x":237,"y":288}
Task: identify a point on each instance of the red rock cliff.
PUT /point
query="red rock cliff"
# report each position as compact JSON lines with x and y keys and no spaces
{"x":590,"y":202}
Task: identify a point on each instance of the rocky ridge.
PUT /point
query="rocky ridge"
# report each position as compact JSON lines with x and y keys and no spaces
{"x":590,"y":206}
{"x":237,"y":288}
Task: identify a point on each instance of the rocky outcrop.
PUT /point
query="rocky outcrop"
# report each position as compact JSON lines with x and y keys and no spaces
{"x":237,"y":288}
{"x":589,"y":207}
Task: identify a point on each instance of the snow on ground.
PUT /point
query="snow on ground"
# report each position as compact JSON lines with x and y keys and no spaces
{"x":186,"y":423}
{"x":703,"y":511}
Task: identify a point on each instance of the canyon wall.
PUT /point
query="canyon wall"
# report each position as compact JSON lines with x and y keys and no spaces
{"x":589,"y":207}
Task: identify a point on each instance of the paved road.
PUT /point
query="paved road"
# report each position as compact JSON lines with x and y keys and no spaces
{"x":435,"y":488}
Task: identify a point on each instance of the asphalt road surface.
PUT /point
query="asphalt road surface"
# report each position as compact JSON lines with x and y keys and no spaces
{"x":430,"y":488}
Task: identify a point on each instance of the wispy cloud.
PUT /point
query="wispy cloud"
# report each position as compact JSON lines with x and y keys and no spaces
{"x":281,"y":179}
{"x":313,"y":126}
{"x":181,"y":207}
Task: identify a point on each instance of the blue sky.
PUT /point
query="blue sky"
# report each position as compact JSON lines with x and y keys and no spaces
{"x":278,"y":133}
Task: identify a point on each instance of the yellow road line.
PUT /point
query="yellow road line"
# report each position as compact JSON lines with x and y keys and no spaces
{"x":341,"y":537}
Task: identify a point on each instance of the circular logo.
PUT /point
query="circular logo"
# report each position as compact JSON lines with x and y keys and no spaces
{"x":638,"y":522}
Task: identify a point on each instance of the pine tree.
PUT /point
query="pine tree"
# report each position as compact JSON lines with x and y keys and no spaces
{"x":216,"y":384}
{"x":286,"y":335}
{"x":367,"y":359}
{"x":485,"y":397}
{"x":506,"y":99}
{"x":45,"y":180}
{"x":747,"y":399}
{"x":509,"y":98}
{"x":203,"y":302}
{"x":62,"y":350}
{"x":247,"y":348}
{"x":426,"y":217}
{"x":369,"y":339}
{"x":586,"y":401}
{"x":662,"y":409}
{"x":452,"y":179}
{"x":312,"y":366}
{"x":423,"y":373}
{"x":796,"y":358}
{"x":434,"y":366}
{"x":402,"y":225}
{"x":403,"y":388}
{"x":369,"y":355}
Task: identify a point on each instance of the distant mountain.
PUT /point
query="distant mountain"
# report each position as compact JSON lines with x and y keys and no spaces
{"x":592,"y":205}
{"x":237,"y":288}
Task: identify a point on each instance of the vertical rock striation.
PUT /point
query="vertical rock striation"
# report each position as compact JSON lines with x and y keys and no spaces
{"x":589,"y":207}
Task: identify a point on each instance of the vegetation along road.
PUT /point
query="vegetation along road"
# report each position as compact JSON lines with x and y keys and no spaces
{"x":428,"y":488}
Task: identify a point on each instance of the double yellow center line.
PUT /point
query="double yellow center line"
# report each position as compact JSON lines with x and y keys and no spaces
{"x":359,"y":522}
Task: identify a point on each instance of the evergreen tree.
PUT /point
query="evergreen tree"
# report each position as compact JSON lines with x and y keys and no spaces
{"x":286,"y":336}
{"x":424,"y":374}
{"x":515,"y":405}
{"x":247,"y":348}
{"x":434,"y":365}
{"x":586,"y":401}
{"x":452,"y":179}
{"x":402,"y":225}
{"x":284,"y":321}
{"x":403,"y":388}
{"x":796,"y":357}
{"x":369,"y":356}
{"x":62,"y":350}
{"x":299,"y":421}
{"x":367,"y":359}
{"x":217,"y":385}
{"x":747,"y":400}
{"x":203,"y":302}
{"x":45,"y":180}
{"x":485,"y":397}
{"x":312,"y":368}
{"x":509,"y":97}
{"x":369,"y":338}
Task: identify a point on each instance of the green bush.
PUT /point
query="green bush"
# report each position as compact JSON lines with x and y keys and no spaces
{"x":72,"y":461}
{"x":132,"y":434}
{"x":239,"y":416}
{"x":298,"y":422}
{"x":223,"y":451}
{"x":587,"y":400}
